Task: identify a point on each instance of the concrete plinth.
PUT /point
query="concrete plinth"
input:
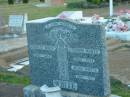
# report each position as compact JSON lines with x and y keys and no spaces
{"x":34,"y":91}
{"x":73,"y":94}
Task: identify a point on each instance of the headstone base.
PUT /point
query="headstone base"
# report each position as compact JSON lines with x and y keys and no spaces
{"x":34,"y":91}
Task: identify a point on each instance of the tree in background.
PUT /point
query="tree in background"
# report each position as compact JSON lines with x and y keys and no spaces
{"x":10,"y":1}
{"x":25,"y":1}
{"x":96,"y":1}
{"x":42,"y":0}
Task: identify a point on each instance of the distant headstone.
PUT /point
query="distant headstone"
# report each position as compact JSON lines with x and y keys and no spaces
{"x":18,"y":1}
{"x":25,"y":21}
{"x":16,"y":20}
{"x":17,"y":23}
{"x":54,"y":2}
{"x":69,"y":55}
{"x":1,"y":21}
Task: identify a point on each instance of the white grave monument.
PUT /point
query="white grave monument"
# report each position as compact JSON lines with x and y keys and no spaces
{"x":71,"y":15}
{"x":25,"y":21}
{"x":17,"y":23}
{"x":111,"y":7}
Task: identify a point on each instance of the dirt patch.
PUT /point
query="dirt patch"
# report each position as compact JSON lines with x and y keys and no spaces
{"x":12,"y":50}
{"x":7,"y":90}
{"x":119,"y":60}
{"x":7,"y":58}
{"x":120,"y":65}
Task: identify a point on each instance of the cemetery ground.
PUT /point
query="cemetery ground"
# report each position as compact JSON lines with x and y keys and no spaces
{"x":11,"y":84}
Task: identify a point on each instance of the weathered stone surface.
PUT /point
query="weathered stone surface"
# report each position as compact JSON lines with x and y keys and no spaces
{"x":70,"y":55}
{"x":32,"y":91}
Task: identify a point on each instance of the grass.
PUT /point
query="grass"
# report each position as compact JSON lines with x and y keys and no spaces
{"x":13,"y":78}
{"x":35,"y":12}
{"x":118,"y":88}
{"x":32,"y":11}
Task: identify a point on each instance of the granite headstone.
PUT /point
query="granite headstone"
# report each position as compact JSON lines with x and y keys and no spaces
{"x":70,"y":55}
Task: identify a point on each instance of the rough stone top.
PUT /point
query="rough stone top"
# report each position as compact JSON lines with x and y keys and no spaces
{"x":71,"y":14}
{"x":42,"y":20}
{"x":48,"y":19}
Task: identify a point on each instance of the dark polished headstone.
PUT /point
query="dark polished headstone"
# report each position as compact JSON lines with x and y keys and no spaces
{"x":70,"y":55}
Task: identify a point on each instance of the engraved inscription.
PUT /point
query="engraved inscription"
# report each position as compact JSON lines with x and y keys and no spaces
{"x":43,"y":55}
{"x":66,"y":33}
{"x":62,"y":60}
{"x":54,"y":24}
{"x":85,"y":51}
{"x":87,"y":60}
{"x":85,"y":69}
{"x":61,"y":37}
{"x":62,"y":34}
{"x":85,"y":77}
{"x":42,"y":47}
{"x":65,"y":84}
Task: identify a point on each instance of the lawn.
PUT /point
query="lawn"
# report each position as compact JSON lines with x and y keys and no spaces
{"x":33,"y":11}
{"x":13,"y":78}
{"x":120,"y":89}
